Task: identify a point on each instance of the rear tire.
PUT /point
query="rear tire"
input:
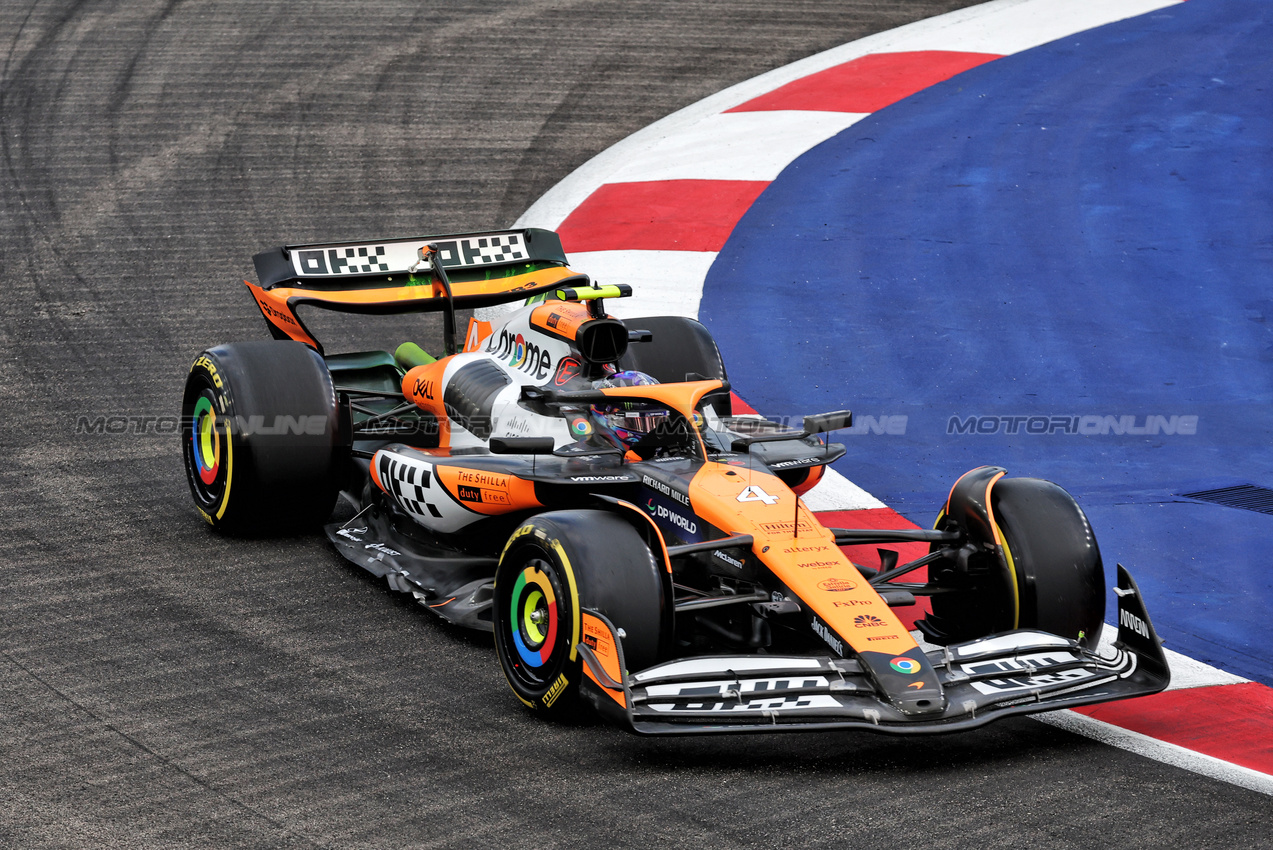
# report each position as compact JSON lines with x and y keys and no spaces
{"x":1050,"y":577}
{"x":554,"y":565}
{"x":260,"y":437}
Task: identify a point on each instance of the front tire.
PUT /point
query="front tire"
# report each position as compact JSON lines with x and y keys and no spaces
{"x":1053,"y":552}
{"x":1047,"y":574}
{"x":260,"y":437}
{"x":554,"y":565}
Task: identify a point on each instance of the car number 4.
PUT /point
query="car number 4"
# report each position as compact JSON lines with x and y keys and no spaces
{"x":755,"y":494}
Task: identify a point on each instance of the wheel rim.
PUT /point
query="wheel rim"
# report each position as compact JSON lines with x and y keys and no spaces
{"x":534,"y":614}
{"x":536,"y":628}
{"x":207,"y":449}
{"x":205,"y":442}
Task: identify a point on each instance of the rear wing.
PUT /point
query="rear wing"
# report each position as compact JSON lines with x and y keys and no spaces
{"x":416,"y":274}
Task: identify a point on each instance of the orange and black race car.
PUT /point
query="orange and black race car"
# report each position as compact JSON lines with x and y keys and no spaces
{"x":579,"y":486}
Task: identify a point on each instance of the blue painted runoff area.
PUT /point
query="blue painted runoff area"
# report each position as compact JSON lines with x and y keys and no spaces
{"x":1060,"y":262}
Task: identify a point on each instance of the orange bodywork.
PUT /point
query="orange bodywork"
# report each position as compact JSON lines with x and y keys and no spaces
{"x":683,"y":398}
{"x":476,"y":335}
{"x":598,"y":637}
{"x":815,"y":475}
{"x":279,"y":304}
{"x":742,"y":501}
{"x":485,"y":492}
{"x":562,"y":318}
{"x":806,"y":559}
{"x":423,"y":385}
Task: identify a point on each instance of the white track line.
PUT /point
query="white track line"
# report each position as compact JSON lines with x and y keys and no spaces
{"x":1143,"y":745}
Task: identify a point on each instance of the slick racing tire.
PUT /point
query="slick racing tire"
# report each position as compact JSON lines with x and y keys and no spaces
{"x":1050,"y":576}
{"x":260,"y":437}
{"x":678,"y":347}
{"x":554,"y":565}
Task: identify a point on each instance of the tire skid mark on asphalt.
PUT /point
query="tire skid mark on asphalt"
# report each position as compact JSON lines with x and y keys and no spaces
{"x":103,"y":203}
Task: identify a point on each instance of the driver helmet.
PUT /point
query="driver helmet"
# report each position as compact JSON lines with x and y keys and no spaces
{"x":628,"y":421}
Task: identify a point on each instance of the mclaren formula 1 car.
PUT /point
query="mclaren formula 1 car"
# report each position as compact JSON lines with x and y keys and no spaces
{"x":580,"y":486}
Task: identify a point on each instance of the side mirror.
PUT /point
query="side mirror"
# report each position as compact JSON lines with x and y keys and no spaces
{"x":821,"y":423}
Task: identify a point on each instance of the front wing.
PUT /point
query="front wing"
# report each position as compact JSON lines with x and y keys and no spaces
{"x":1017,"y":672}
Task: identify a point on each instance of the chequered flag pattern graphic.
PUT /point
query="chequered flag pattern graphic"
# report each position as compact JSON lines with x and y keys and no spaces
{"x":494,"y":249}
{"x":409,"y":483}
{"x":367,"y":258}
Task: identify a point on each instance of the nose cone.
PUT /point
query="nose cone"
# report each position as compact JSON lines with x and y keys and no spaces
{"x":908,"y":680}
{"x":922,"y":703}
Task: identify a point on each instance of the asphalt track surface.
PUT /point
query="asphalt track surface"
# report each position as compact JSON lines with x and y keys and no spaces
{"x":161,"y":686}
